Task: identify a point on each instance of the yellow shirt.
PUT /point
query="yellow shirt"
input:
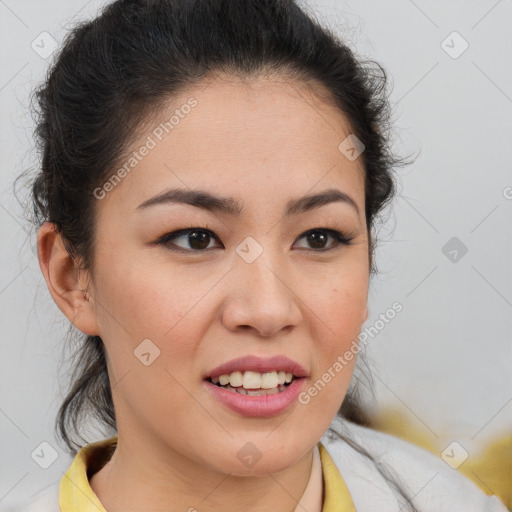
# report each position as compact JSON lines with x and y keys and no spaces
{"x":76,"y":495}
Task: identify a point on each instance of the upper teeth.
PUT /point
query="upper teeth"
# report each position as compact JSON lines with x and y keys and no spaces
{"x":254,"y":380}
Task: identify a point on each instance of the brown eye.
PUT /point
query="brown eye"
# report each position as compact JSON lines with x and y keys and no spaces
{"x":317,"y":239}
{"x":197,"y":240}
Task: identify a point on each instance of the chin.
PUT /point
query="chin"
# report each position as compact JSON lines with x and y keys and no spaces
{"x":249,"y":460}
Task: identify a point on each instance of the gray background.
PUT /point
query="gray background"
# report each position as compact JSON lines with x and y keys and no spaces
{"x":445,"y":360}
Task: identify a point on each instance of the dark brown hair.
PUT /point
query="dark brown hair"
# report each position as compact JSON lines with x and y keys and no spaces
{"x":114,"y":72}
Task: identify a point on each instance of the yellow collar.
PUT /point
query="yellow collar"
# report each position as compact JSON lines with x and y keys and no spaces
{"x":336,"y":495}
{"x":76,"y":495}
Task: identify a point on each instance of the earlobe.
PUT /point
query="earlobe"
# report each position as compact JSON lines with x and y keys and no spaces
{"x":66,"y":284}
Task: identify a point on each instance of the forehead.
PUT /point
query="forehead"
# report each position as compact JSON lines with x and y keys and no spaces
{"x":252,"y":118}
{"x":276,"y":136}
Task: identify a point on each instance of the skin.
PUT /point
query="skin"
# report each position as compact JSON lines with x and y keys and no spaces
{"x":262,"y":144}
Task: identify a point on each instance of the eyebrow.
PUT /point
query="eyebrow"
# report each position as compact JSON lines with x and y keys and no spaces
{"x":229,"y":206}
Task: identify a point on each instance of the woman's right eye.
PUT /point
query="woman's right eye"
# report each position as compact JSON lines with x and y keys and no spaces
{"x":198,"y":240}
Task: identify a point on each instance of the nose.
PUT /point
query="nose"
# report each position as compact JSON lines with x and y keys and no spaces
{"x":260,"y":297}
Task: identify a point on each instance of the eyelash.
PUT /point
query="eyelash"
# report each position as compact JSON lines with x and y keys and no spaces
{"x":340,"y":239}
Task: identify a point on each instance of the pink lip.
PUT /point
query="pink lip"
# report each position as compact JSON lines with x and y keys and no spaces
{"x":257,"y":406}
{"x":259,"y":364}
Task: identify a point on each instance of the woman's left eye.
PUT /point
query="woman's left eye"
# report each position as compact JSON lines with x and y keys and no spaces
{"x":318,"y":236}
{"x":199,"y":239}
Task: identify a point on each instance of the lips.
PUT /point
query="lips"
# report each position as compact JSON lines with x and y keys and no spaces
{"x":259,"y":364}
{"x":264,"y":406}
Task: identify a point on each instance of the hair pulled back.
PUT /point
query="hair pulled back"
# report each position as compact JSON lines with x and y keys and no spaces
{"x":114,"y":72}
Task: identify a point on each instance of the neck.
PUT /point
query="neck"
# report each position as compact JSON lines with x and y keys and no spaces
{"x":140,"y":478}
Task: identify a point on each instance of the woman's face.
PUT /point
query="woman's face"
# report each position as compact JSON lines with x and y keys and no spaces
{"x":248,"y":283}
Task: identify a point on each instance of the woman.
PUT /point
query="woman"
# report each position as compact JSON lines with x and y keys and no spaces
{"x":211,"y":174}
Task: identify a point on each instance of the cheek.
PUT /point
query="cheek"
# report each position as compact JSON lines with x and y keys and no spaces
{"x":340,"y":304}
{"x":345,"y":309}
{"x":142,"y":302}
{"x":137,"y":298}
{"x":147,"y":315}
{"x":340,"y":313}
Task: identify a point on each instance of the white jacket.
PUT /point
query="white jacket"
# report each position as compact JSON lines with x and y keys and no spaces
{"x":433,"y":484}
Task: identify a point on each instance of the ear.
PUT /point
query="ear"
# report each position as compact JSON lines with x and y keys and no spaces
{"x":67,"y":284}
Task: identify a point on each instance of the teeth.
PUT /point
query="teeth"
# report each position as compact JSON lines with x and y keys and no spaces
{"x":236,"y":379}
{"x":224,"y":379}
{"x":254,"y":380}
{"x":255,"y":392}
{"x":269,"y":380}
